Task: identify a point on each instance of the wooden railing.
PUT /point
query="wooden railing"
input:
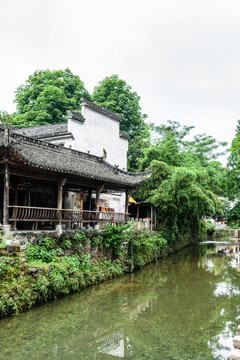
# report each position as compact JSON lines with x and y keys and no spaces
{"x":35,"y":214}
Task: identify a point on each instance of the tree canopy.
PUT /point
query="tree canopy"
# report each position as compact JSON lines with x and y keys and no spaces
{"x":186,"y":182}
{"x":116,"y":95}
{"x":46,"y":96}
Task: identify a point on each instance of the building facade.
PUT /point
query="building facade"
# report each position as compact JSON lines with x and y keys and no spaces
{"x":96,"y":132}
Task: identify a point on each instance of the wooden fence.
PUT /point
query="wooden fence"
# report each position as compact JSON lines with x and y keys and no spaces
{"x":39,"y":214}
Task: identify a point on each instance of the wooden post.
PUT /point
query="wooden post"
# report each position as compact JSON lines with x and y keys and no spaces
{"x":15,"y":202}
{"x":128,"y":194}
{"x":61,"y":183}
{"x":137,"y":211}
{"x":90,"y":199}
{"x":99,"y":189}
{"x":126,"y":203}
{"x":6,"y":226}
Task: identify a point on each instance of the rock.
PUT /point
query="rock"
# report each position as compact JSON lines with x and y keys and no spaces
{"x":32,"y":270}
{"x":238,"y":328}
{"x":235,"y":354}
{"x":16,"y":247}
{"x":24,"y":267}
{"x":236,"y":342}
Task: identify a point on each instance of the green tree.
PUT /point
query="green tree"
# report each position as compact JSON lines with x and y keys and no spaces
{"x":186,"y":182}
{"x":233,"y":166}
{"x":46,"y":96}
{"x":116,"y":95}
{"x":5,"y":117}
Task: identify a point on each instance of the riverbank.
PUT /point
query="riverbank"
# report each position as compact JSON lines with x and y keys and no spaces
{"x":52,"y":266}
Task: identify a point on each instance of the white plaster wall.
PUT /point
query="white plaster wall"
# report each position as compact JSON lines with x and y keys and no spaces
{"x":97,"y":132}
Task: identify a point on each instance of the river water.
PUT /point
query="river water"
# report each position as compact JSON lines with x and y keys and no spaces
{"x":181,"y":308}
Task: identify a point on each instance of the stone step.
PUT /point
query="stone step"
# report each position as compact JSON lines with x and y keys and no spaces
{"x":235,"y":354}
{"x":236,"y":342}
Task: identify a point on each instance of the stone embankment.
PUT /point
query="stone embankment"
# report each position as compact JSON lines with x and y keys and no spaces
{"x":36,"y":268}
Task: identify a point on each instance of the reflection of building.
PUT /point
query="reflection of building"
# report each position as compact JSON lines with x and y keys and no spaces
{"x":112,"y":344}
{"x":118,"y":344}
{"x":235,"y":255}
{"x":230,"y":249}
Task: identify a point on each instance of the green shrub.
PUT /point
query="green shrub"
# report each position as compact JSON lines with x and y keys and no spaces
{"x":42,"y":250}
{"x":114,"y":236}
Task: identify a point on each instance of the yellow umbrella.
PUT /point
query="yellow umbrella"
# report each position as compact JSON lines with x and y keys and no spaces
{"x":132,"y":201}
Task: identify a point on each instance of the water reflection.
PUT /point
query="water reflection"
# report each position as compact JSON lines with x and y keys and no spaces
{"x":184,"y":307}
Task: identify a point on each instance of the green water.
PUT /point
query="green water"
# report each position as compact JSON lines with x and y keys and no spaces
{"x":184,"y":307}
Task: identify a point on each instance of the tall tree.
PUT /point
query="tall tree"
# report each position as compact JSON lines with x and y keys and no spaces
{"x":186,"y":182}
{"x":116,"y":95}
{"x":46,"y":96}
{"x":234,"y":178}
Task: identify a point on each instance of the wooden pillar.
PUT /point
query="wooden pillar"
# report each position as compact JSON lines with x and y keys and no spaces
{"x":61,"y":183}
{"x":89,"y":199}
{"x":99,"y":189}
{"x":128,"y":194}
{"x":15,"y":202}
{"x":137,"y":211}
{"x":6,"y":193}
{"x":126,"y":201}
{"x":6,"y":226}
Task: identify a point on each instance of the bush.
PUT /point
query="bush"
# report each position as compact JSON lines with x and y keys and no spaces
{"x":114,"y":236}
{"x":42,"y":250}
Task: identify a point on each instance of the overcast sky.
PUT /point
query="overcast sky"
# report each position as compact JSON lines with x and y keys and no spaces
{"x":182,"y":57}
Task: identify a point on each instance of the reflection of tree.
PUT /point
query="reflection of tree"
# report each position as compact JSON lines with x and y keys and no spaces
{"x":190,"y":310}
{"x":167,"y":310}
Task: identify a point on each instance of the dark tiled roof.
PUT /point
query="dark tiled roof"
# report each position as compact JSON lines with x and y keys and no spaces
{"x":42,"y":131}
{"x":47,"y":156}
{"x":100,"y":109}
{"x":75,"y":116}
{"x":124,"y":135}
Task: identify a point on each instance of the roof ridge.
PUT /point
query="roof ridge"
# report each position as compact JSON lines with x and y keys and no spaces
{"x":35,"y":127}
{"x":100,"y":109}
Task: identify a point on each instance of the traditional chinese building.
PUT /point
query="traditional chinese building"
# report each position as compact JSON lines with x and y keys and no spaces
{"x":39,"y":180}
{"x":95,"y":131}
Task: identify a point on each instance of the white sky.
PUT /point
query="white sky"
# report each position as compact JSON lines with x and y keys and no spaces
{"x":181,"y":56}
